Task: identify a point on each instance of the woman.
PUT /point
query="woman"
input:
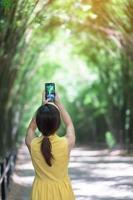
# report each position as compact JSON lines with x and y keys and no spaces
{"x":50,"y":153}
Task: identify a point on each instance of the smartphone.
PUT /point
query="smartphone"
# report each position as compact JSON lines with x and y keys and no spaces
{"x":50,"y":91}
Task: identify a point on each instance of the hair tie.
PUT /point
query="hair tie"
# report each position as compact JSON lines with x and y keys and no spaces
{"x":46,"y":136}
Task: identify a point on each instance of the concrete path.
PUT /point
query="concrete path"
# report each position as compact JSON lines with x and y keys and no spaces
{"x":94,"y":175}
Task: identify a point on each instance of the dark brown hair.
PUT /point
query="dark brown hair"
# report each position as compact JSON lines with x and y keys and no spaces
{"x":48,"y":121}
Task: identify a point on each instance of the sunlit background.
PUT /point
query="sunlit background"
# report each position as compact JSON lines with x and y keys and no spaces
{"x":86,"y":48}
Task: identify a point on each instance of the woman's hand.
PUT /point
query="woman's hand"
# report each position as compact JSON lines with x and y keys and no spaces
{"x":57,"y":99}
{"x":44,"y":101}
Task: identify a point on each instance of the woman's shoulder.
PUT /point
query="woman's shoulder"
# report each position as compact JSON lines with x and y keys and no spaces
{"x":36,"y":139}
{"x":63,"y":140}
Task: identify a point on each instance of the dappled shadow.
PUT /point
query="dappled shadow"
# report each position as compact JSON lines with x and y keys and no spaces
{"x":107,"y":198}
{"x":26,"y":172}
{"x":97,"y":176}
{"x":94,"y":175}
{"x":23,"y":176}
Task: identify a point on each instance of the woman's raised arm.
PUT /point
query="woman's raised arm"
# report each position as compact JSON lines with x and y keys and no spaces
{"x":30,"y":134}
{"x":70,"y":132}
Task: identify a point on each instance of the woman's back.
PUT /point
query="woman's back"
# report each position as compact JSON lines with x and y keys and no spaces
{"x":50,"y":153}
{"x":53,"y":182}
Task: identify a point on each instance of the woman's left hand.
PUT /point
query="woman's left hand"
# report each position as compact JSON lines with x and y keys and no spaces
{"x":44,"y":101}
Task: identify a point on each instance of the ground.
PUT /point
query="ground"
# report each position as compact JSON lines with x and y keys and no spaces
{"x":95,"y":175}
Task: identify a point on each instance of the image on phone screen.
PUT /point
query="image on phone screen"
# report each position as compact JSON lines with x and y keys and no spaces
{"x":50,"y":91}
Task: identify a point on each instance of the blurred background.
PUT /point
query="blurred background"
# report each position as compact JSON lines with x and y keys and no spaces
{"x":86,"y":48}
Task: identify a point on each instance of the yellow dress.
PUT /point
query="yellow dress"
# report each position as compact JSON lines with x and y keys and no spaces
{"x":51,"y":183}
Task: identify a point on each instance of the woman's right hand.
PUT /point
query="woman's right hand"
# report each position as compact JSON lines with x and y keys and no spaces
{"x":57,"y":99}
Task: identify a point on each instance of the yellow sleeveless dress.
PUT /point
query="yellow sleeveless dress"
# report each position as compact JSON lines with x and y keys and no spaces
{"x":51,"y":183}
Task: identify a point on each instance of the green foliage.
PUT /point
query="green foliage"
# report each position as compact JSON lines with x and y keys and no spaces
{"x":82,"y":47}
{"x":110,"y":140}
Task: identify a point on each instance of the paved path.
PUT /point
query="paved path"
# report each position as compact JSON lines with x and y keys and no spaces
{"x":95,"y":176}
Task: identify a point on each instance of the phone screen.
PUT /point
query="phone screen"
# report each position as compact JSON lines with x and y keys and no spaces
{"x":50,"y":91}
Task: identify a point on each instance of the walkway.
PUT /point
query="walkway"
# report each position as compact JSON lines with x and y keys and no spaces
{"x":95,"y":176}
